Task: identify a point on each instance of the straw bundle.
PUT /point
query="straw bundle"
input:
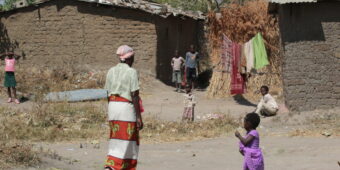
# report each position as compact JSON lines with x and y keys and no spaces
{"x":240,"y":23}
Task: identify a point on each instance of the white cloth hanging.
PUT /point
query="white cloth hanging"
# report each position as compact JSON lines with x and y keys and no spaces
{"x":249,"y":53}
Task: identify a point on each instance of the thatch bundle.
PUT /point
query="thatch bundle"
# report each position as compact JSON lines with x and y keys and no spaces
{"x":240,"y":23}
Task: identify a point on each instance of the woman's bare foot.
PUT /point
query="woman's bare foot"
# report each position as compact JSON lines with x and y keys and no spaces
{"x":16,"y":101}
{"x":9,"y":100}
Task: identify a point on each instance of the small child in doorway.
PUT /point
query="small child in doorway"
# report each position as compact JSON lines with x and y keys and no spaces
{"x":189,"y":105}
{"x":249,"y":145}
{"x":10,"y":82}
{"x":177,"y":64}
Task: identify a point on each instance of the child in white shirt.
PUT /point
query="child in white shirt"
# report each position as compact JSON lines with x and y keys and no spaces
{"x":267,"y":105}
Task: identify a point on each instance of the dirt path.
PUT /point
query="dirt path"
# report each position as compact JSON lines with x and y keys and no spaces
{"x":280,"y":153}
{"x":164,"y":103}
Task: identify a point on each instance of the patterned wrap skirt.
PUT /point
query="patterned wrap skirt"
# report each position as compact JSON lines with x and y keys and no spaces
{"x":188,"y":113}
{"x":124,"y":137}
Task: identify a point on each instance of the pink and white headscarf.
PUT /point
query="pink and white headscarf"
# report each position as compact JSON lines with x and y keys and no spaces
{"x":124,"y":52}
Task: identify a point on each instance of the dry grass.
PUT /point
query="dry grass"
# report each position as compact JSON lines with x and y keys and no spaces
{"x":164,"y":131}
{"x":48,"y":122}
{"x":52,"y":122}
{"x":17,"y":155}
{"x":39,"y":81}
{"x":240,"y":23}
{"x":63,"y":122}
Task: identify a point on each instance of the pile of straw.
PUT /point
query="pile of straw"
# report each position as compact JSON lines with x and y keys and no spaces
{"x":240,"y":23}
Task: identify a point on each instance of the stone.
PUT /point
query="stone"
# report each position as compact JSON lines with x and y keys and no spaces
{"x":326,"y":133}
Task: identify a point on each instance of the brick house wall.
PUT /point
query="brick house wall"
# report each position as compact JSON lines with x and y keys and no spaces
{"x":311,"y":40}
{"x":80,"y":34}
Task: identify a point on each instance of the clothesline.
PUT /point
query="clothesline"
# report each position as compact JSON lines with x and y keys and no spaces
{"x":268,"y":44}
{"x":255,"y":52}
{"x":238,"y":60}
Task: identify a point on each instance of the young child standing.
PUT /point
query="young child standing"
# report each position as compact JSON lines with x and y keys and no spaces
{"x":177,"y":63}
{"x":189,"y":105}
{"x":249,"y":145}
{"x":10,"y":82}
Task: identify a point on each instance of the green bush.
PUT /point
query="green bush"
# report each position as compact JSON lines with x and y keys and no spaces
{"x":9,"y":4}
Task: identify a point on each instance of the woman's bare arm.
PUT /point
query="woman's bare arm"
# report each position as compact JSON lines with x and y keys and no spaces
{"x":135,"y":101}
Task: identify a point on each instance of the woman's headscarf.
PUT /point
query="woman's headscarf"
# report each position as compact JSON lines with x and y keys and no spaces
{"x":124,"y":52}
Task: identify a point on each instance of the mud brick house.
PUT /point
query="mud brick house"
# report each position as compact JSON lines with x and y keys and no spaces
{"x":310,"y":34}
{"x":87,"y":33}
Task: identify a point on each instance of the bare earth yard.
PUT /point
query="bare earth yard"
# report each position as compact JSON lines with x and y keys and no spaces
{"x":288,"y":143}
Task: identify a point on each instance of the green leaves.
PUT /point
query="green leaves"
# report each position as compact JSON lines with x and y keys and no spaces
{"x":9,"y":4}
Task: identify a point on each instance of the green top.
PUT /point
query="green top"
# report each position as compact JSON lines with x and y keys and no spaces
{"x":260,"y":53}
{"x":122,"y":80}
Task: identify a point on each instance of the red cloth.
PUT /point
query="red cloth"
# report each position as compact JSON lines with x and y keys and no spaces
{"x":121,"y":99}
{"x":184,"y":81}
{"x":237,"y":81}
{"x":141,"y":105}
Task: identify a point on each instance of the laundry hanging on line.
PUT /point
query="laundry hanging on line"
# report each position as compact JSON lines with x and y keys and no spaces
{"x":237,"y":59}
{"x":253,"y":54}
{"x":249,"y":53}
{"x":226,"y":54}
{"x":237,"y":83}
{"x":260,"y":52}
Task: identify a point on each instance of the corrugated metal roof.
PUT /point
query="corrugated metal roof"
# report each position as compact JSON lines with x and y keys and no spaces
{"x":162,"y":10}
{"x":291,"y":1}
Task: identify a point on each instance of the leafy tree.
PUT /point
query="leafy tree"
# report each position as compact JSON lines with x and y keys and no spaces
{"x":9,"y":4}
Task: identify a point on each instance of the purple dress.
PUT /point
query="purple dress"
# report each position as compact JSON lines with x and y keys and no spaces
{"x":253,"y":159}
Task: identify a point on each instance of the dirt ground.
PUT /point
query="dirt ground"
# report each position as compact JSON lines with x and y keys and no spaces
{"x":280,"y":150}
{"x":280,"y":153}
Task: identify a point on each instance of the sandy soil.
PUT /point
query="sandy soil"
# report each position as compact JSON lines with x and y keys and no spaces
{"x":280,"y":152}
{"x":164,"y":103}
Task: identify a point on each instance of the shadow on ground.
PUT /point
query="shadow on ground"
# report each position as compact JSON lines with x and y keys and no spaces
{"x":243,"y":101}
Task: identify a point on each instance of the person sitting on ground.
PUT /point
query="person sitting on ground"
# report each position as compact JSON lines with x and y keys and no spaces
{"x":189,"y":105}
{"x":267,"y":105}
{"x":10,"y":82}
{"x":249,"y":145}
{"x":177,"y":64}
{"x":191,"y":63}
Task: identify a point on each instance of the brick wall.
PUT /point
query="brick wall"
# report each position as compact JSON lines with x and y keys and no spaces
{"x":311,"y":71}
{"x":73,"y":33}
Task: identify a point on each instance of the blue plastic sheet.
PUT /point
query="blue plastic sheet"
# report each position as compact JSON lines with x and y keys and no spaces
{"x":76,"y":95}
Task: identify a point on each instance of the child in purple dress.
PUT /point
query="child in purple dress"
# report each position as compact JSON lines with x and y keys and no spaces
{"x":249,"y":145}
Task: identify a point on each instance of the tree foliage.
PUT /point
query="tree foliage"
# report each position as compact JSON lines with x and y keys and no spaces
{"x":9,"y":4}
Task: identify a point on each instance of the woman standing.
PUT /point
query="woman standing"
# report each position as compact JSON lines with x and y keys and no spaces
{"x":124,"y":112}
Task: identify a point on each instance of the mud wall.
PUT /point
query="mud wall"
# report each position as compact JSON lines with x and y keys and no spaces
{"x":80,"y":34}
{"x":311,"y":40}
